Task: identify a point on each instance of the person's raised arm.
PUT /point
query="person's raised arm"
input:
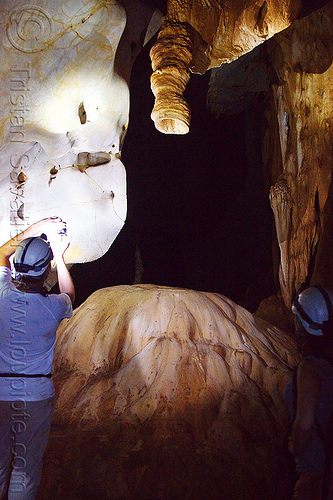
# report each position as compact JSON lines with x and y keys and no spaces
{"x":36,"y":229}
{"x":59,"y":244}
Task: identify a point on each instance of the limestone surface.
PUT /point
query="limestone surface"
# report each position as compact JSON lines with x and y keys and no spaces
{"x":64,"y":106}
{"x":301,"y":174}
{"x":197,"y":35}
{"x":293,"y":70}
{"x":168,"y":391}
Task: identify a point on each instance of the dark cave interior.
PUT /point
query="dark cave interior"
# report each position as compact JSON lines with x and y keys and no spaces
{"x":198,"y":208}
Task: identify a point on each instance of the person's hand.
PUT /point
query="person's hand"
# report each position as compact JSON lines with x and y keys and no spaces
{"x":48,"y":226}
{"x":290,"y":445}
{"x":60,"y":245}
{"x":55,"y":230}
{"x":59,"y":241}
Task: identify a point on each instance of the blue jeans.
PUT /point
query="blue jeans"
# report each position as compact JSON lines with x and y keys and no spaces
{"x":24,"y":433}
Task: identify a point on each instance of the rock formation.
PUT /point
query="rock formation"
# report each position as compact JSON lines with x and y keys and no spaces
{"x":301,"y":175}
{"x":196,"y":36}
{"x":295,"y":71}
{"x":64,"y":105}
{"x":168,"y":393}
{"x":164,"y":393}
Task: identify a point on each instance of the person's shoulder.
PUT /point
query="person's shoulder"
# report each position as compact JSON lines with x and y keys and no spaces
{"x":4,"y":271}
{"x":5,"y":276}
{"x":308,"y":361}
{"x":64,"y":302}
{"x":309,"y":368}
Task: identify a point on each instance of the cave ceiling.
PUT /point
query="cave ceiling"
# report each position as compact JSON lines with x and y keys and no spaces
{"x":293,"y":69}
{"x":75,"y":113}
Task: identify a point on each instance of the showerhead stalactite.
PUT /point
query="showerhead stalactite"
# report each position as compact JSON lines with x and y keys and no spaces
{"x":196,"y":36}
{"x":171,"y":57}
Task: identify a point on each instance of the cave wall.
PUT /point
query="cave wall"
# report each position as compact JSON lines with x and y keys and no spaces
{"x":301,"y":168}
{"x":64,"y":110}
{"x":157,"y":401}
{"x":297,"y":146}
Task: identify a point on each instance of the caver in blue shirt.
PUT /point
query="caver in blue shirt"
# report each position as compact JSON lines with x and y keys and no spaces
{"x":313,"y":457}
{"x":28,"y":325}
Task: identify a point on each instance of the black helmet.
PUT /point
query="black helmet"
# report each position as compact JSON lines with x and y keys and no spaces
{"x":314,"y":308}
{"x":32,"y":256}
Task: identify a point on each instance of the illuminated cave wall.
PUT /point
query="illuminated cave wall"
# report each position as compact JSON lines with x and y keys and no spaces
{"x":297,"y":148}
{"x":70,"y":126}
{"x":301,"y":195}
{"x":64,"y":105}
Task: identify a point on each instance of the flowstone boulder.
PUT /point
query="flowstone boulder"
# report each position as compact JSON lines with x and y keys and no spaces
{"x":168,"y":393}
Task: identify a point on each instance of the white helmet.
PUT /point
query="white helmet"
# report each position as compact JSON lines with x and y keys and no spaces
{"x":314,"y":308}
{"x":32,"y":256}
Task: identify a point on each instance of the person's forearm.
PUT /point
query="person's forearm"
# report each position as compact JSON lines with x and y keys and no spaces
{"x":36,"y":229}
{"x":300,"y":438}
{"x":8,"y":248}
{"x":65,"y":281}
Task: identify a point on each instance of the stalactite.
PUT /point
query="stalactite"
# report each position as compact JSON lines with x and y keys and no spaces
{"x":228,"y":30}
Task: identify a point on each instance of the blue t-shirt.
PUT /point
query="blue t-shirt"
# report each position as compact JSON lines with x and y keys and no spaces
{"x":313,"y":457}
{"x":28,"y":325}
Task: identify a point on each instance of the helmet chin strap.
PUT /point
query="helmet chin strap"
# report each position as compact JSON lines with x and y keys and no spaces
{"x":327,"y":300}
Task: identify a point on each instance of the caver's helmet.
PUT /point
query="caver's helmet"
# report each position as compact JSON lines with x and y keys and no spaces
{"x":314,"y":309}
{"x":32,"y":256}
